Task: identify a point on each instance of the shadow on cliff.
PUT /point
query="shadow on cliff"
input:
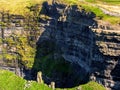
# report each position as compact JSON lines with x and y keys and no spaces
{"x":67,"y":40}
{"x":65,"y":25}
{"x":116,"y":74}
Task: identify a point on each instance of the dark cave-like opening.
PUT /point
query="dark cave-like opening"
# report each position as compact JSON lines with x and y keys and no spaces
{"x":56,"y":69}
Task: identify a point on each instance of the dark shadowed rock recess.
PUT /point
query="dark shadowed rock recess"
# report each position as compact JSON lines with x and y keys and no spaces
{"x":79,"y":40}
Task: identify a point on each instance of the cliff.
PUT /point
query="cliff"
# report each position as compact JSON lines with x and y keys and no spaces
{"x":83,"y":41}
{"x":73,"y":46}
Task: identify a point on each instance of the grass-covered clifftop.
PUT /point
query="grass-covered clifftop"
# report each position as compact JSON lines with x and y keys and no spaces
{"x":18,"y":7}
{"x":111,"y":2}
{"x":9,"y":81}
{"x":21,"y":7}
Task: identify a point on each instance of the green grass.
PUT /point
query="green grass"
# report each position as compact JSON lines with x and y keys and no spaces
{"x":91,"y":1}
{"x":95,"y":9}
{"x":101,"y":15}
{"x":9,"y":81}
{"x":113,"y":2}
{"x":1,"y":57}
{"x":110,"y":2}
{"x":92,"y":86}
{"x":0,"y":40}
{"x":18,"y":6}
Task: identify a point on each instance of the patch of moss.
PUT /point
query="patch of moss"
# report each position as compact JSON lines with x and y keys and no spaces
{"x":20,"y":50}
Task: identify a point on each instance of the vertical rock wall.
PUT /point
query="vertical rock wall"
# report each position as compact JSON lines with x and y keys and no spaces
{"x":96,"y":50}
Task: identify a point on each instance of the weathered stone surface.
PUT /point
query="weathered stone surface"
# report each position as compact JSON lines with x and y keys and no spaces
{"x":97,"y":51}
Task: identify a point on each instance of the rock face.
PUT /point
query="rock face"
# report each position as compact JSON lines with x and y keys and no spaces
{"x":106,"y":58}
{"x":80,"y":41}
{"x":75,"y":36}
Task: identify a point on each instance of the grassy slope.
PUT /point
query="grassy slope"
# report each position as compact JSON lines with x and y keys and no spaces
{"x":111,"y":2}
{"x":19,"y":7}
{"x":101,"y":15}
{"x":90,"y":5}
{"x":9,"y":81}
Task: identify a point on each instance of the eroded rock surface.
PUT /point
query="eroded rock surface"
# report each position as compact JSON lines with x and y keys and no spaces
{"x":81,"y":41}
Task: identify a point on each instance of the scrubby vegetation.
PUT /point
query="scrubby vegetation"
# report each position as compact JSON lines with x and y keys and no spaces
{"x":9,"y":81}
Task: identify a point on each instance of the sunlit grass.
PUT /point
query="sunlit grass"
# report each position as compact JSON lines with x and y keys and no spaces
{"x":101,"y":15}
{"x":110,"y":2}
{"x":18,"y":6}
{"x":113,"y":2}
{"x":9,"y":81}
